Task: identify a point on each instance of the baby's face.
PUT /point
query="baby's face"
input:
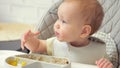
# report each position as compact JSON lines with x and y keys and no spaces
{"x":68,"y":26}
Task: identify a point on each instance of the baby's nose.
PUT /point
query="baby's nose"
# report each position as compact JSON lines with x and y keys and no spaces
{"x":57,"y":25}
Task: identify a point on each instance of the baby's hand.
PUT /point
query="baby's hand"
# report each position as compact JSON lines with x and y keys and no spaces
{"x":28,"y":37}
{"x":104,"y":63}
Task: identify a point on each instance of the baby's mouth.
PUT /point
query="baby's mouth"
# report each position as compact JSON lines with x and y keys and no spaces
{"x":56,"y":33}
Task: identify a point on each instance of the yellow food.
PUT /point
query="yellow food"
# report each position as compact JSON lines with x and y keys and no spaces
{"x":14,"y":62}
{"x":23,"y":63}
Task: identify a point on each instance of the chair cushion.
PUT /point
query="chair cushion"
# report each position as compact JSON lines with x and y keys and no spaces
{"x":111,"y":22}
{"x":46,"y":24}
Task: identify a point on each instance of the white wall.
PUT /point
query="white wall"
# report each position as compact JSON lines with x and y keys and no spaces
{"x":23,"y":11}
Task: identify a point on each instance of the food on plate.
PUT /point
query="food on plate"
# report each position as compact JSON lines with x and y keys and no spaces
{"x":50,"y":59}
{"x":16,"y":61}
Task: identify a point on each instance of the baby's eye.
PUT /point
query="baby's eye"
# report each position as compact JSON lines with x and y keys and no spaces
{"x":63,"y":21}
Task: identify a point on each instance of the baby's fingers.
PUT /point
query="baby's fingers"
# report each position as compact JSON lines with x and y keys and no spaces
{"x":108,"y":65}
{"x":27,"y":37}
{"x":31,"y":34}
{"x":100,"y":61}
{"x":24,"y":38}
{"x":104,"y":63}
{"x":27,"y":34}
{"x":23,"y":41}
{"x":37,"y":33}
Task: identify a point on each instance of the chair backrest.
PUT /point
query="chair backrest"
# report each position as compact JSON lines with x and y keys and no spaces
{"x":110,"y":25}
{"x":111,"y":22}
{"x":46,"y":24}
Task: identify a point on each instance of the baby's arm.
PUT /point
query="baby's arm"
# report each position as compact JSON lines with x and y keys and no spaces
{"x":104,"y":63}
{"x":30,"y":41}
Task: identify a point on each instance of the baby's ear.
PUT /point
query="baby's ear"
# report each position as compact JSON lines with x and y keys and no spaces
{"x":86,"y":30}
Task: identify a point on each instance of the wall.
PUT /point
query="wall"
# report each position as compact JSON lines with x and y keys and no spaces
{"x":23,"y":11}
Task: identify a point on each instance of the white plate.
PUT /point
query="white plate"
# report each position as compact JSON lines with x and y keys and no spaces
{"x":6,"y":53}
{"x":40,"y":61}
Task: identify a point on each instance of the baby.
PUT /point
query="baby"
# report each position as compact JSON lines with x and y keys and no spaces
{"x":77,"y":20}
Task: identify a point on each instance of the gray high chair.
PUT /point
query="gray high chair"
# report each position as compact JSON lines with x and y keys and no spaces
{"x":110,"y":25}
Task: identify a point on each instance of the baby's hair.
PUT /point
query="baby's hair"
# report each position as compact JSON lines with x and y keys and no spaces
{"x":91,"y":12}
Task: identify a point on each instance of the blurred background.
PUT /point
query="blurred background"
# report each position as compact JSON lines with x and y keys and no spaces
{"x":18,"y":16}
